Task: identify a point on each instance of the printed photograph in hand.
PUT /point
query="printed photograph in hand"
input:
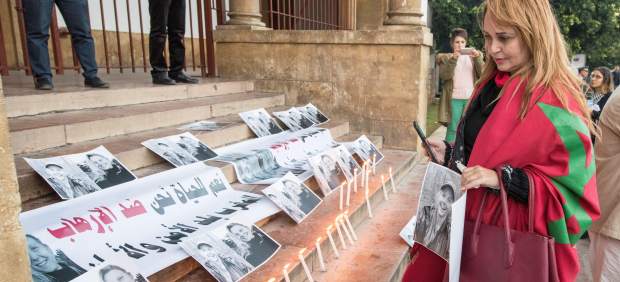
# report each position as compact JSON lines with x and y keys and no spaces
{"x":440,"y":188}
{"x":102,"y":167}
{"x":293,"y":197}
{"x":327,"y":170}
{"x":67,"y":180}
{"x":294,"y":119}
{"x":260,"y":122}
{"x":313,"y":113}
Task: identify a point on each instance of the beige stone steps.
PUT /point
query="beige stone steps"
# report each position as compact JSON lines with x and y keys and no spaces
{"x":119,"y":94}
{"x":295,"y":237}
{"x":29,"y":134}
{"x":35,"y":192}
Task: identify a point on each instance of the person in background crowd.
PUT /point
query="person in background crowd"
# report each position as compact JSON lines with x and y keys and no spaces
{"x":605,"y":233}
{"x":601,"y":83}
{"x":37,"y":17}
{"x":459,"y":72}
{"x":584,"y":73}
{"x":527,"y":126}
{"x":168,"y":20}
{"x":616,"y":74}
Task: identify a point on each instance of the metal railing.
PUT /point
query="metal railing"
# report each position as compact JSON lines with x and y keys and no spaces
{"x":277,"y":14}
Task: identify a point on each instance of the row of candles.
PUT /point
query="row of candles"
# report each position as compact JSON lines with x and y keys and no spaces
{"x":342,"y":221}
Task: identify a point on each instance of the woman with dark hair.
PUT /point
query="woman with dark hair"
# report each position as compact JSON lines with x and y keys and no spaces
{"x":458,"y":72}
{"x":602,"y":85}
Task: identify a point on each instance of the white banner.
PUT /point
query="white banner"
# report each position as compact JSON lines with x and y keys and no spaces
{"x":145,"y":220}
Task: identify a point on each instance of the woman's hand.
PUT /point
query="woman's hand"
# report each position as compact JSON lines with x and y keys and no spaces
{"x":475,"y":53}
{"x":439,"y":149}
{"x":477,"y":176}
{"x":456,"y":54}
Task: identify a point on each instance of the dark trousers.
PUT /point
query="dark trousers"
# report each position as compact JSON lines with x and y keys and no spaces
{"x":37,"y":15}
{"x":167,"y":18}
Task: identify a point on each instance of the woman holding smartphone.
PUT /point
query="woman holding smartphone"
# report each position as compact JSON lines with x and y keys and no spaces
{"x":459,"y":71}
{"x":527,"y":127}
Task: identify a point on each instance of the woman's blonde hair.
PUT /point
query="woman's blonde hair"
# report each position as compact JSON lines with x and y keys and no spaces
{"x":548,"y":66}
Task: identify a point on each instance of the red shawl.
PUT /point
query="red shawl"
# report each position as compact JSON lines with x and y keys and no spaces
{"x":553,"y":146}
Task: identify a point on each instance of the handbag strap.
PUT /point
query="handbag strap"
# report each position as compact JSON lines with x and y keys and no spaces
{"x":509,"y":250}
{"x":530,"y":205}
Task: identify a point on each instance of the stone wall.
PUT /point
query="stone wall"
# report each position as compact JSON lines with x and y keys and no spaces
{"x":14,"y":265}
{"x":375,"y":79}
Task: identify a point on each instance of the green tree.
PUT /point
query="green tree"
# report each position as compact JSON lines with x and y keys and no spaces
{"x":591,"y":27}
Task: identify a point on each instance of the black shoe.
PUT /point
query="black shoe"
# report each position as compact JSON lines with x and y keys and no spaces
{"x":183,"y":78}
{"x":163,"y":80}
{"x":43,"y":84}
{"x":96,"y":82}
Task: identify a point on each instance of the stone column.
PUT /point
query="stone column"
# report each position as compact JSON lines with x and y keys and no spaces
{"x":404,"y":13}
{"x":244,"y":14}
{"x":14,"y":265}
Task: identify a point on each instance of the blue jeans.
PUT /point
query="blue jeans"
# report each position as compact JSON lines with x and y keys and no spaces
{"x":37,"y":15}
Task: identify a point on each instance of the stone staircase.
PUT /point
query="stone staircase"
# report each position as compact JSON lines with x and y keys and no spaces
{"x":52,"y":124}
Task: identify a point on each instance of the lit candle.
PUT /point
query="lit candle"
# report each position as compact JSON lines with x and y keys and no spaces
{"x":341,"y":196}
{"x":346,"y":219}
{"x":355,"y":180}
{"x":331,"y":242}
{"x":348,"y":193}
{"x":305,"y":266}
{"x":374,"y":163}
{"x":285,"y":273}
{"x":385,"y":194}
{"x":392,"y":180}
{"x":342,"y":242}
{"x":318,"y":250}
{"x":340,"y":221}
{"x":271,"y":280}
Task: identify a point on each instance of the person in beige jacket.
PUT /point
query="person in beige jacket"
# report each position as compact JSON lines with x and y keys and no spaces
{"x":605,"y":233}
{"x":459,"y":72}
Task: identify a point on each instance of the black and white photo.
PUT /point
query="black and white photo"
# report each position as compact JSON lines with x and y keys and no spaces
{"x":313,"y":113}
{"x":293,"y":197}
{"x":216,"y":257}
{"x":260,"y":122}
{"x":348,"y":163}
{"x":102,"y":167}
{"x":116,"y":268}
{"x":327,"y":170}
{"x":294,"y":119}
{"x":181,"y":149}
{"x":365,"y":149}
{"x":247,"y":241}
{"x":67,"y":180}
{"x":48,"y":265}
{"x":440,"y":188}
{"x":258,"y":167}
{"x":205,"y":125}
{"x":407,"y":232}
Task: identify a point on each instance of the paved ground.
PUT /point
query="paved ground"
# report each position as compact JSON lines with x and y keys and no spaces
{"x":584,"y":275}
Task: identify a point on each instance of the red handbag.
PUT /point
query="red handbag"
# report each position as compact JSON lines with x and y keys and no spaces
{"x":493,"y":253}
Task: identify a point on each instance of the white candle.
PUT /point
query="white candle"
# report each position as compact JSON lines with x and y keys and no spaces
{"x":271,"y":280}
{"x":355,"y":180}
{"x":285,"y":273}
{"x":385,"y":194}
{"x":341,"y":196}
{"x":305,"y":266}
{"x":392,"y":180}
{"x":331,"y":242}
{"x":340,"y":221}
{"x":348,"y":193}
{"x":318,"y":250}
{"x":374,"y":163}
{"x":342,"y":242}
{"x":367,"y":199}
{"x":346,"y":219}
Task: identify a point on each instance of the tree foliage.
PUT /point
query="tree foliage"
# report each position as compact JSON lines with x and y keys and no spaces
{"x":591,"y":27}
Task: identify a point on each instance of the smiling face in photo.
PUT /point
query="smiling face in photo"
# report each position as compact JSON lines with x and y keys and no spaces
{"x":101,"y":162}
{"x":443,"y":199}
{"x":42,"y":258}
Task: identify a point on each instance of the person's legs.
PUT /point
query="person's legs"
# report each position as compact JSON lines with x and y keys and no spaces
{"x":457,"y":107}
{"x":604,"y":258}
{"x":37,"y":16}
{"x":158,"y":10}
{"x":176,"y":34}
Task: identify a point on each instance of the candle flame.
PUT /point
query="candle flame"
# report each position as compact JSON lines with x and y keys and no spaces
{"x":346,"y":212}
{"x":286,"y":266}
{"x":329,"y":227}
{"x":318,"y":240}
{"x":271,"y":280}
{"x":301,"y":252}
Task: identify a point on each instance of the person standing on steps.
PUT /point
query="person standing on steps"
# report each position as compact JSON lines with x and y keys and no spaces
{"x":38,"y":15}
{"x":168,"y":20}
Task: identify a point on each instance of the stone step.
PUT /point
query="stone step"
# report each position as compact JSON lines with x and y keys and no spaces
{"x":35,"y":133}
{"x":35,"y":192}
{"x":293,"y":237}
{"x":120,"y":94}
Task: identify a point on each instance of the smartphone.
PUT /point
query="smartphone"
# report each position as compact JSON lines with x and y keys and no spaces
{"x":467,"y":51}
{"x":427,"y":146}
